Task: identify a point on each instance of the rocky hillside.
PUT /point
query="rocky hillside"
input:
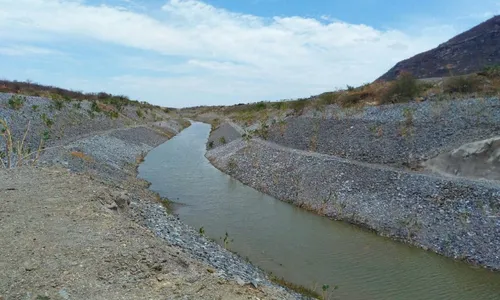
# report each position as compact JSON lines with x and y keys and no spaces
{"x":466,"y":53}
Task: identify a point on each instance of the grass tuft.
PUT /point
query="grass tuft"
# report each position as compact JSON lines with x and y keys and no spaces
{"x":295,"y":287}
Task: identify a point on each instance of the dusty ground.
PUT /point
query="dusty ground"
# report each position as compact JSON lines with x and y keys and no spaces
{"x":66,"y":236}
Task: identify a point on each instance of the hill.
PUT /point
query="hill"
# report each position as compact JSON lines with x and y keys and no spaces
{"x":466,"y":53}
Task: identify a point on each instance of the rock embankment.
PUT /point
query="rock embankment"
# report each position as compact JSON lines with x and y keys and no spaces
{"x":399,"y":135}
{"x":455,"y":217}
{"x":82,"y":226}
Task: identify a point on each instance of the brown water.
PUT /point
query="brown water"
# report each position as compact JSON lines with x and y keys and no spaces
{"x":300,"y":246}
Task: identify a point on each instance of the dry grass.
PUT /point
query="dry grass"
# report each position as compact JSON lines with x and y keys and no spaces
{"x":296,"y":287}
{"x":404,"y":89}
{"x":81,"y":155}
{"x":16,"y":154}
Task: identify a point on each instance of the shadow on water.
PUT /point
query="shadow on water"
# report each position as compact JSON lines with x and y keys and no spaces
{"x":302,"y":247}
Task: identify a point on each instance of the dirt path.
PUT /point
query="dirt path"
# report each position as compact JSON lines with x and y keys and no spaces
{"x":63,"y":237}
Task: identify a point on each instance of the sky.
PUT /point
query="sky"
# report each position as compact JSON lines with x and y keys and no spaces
{"x":180,"y":53}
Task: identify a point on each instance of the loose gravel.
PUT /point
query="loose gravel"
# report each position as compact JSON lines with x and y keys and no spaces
{"x":400,"y":135}
{"x":455,"y":217}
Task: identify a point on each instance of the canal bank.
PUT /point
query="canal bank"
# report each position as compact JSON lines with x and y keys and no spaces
{"x":301,"y":246}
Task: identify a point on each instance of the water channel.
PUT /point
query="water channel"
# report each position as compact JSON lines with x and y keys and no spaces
{"x":298,"y":245}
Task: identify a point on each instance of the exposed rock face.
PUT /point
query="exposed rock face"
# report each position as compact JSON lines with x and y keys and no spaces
{"x":466,"y":53}
{"x":475,"y":160}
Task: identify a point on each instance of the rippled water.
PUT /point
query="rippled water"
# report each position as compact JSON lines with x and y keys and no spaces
{"x":298,"y":245}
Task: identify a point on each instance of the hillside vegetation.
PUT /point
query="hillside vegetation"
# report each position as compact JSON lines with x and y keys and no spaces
{"x":406,"y":88}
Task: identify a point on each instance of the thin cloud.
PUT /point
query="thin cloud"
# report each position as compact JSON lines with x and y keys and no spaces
{"x":24,"y":50}
{"x":220,"y":48}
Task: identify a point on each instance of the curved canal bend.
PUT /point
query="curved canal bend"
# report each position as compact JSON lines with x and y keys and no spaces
{"x":300,"y":246}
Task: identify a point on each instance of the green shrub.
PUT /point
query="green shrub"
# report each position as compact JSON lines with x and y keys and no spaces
{"x":403,"y":89}
{"x":461,"y":84}
{"x":113,"y":114}
{"x":298,"y":105}
{"x":139,"y":113}
{"x":260,"y":105}
{"x":48,"y":121}
{"x":328,"y":98}
{"x":222,"y":140}
{"x":491,"y":71}
{"x":210,"y":144}
{"x":34,"y":107}
{"x":350,"y":99}
{"x":58,"y":104}
{"x":16,"y":102}
{"x":95,"y":107}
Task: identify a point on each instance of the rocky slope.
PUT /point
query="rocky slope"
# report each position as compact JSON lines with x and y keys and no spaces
{"x":82,"y":226}
{"x":376,"y":166}
{"x":466,"y":53}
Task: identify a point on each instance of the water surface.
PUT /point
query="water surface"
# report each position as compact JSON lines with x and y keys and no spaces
{"x":300,"y":246}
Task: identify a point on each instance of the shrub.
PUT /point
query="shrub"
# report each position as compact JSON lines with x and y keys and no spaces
{"x":139,"y":113}
{"x":34,"y":107}
{"x":58,"y":104}
{"x":113,"y":114}
{"x":461,"y":84}
{"x":350,"y":99}
{"x":210,"y":144}
{"x":95,"y":107}
{"x":491,"y":71}
{"x":403,"y":89}
{"x":260,"y":106}
{"x":16,"y":102}
{"x":48,"y":121}
{"x":298,"y":105}
{"x":328,"y":98}
{"x":222,"y":140}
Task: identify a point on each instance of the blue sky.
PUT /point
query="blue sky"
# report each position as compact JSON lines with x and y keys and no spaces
{"x":188,"y":52}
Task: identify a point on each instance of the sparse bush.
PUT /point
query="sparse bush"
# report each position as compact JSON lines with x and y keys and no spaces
{"x":58,"y":104}
{"x":34,"y":108}
{"x":113,"y":114}
{"x":462,"y":84}
{"x":408,"y":115}
{"x":16,"y":102}
{"x":48,"y":121}
{"x":351,"y":99}
{"x":210,"y":144}
{"x":95,"y":107}
{"x":222,"y":140}
{"x":281,"y":105}
{"x":215,"y":123}
{"x":16,"y":151}
{"x":226,"y":240}
{"x":491,"y":71}
{"x":350,"y":88}
{"x":328,"y":98}
{"x":77,"y":105}
{"x":232,"y":164}
{"x":298,"y":105}
{"x":403,"y":89}
{"x":139,"y":113}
